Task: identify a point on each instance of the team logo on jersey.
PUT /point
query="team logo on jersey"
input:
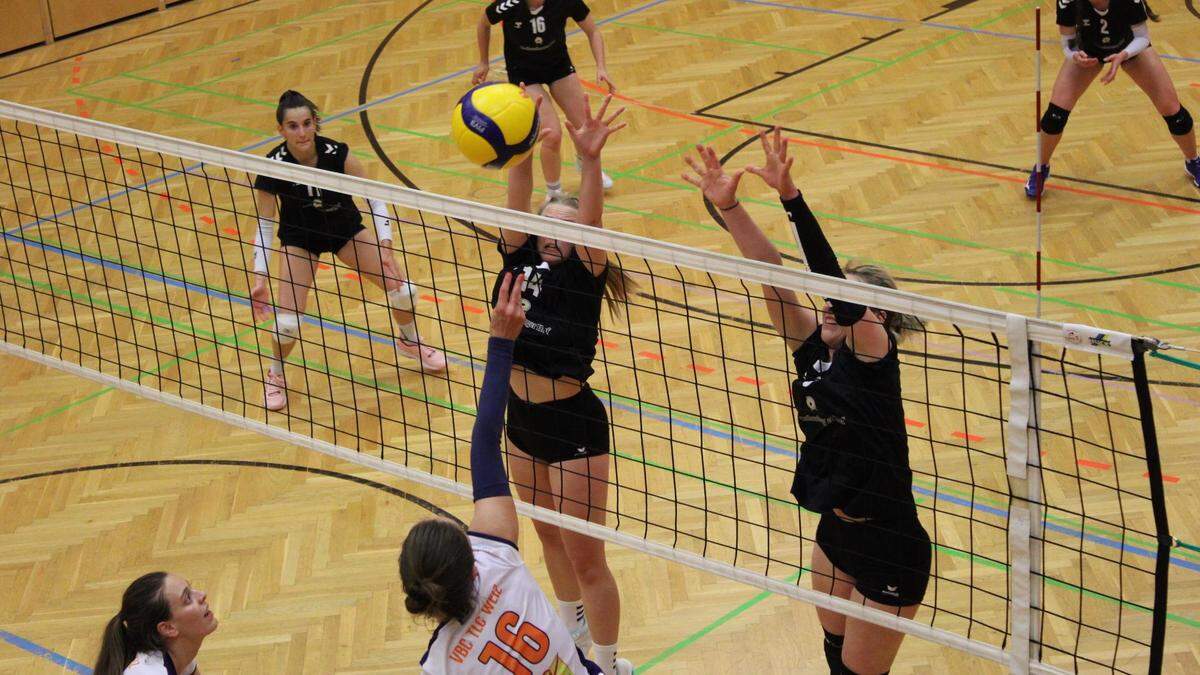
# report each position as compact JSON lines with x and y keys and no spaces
{"x":892,"y":591}
{"x":537,"y":40}
{"x":516,"y":24}
{"x":330,"y":149}
{"x":506,"y":5}
{"x":819,"y":368}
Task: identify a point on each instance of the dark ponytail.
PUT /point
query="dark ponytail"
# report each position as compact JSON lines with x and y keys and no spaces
{"x":437,"y":569}
{"x":294,"y":99}
{"x":135,"y":628}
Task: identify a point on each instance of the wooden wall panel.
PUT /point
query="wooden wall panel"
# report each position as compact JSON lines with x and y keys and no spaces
{"x":22,"y":25}
{"x":69,"y":16}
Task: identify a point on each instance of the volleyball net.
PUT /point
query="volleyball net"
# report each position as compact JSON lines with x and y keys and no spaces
{"x":126,"y":258}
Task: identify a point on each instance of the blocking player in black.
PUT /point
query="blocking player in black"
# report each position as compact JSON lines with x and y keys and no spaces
{"x":314,"y":222}
{"x":557,"y":429}
{"x":1113,"y":32}
{"x":535,"y":53}
{"x":853,"y":467}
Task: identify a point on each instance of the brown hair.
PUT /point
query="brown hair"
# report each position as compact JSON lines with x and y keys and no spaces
{"x":135,"y":628}
{"x":294,"y":99}
{"x":618,"y":285}
{"x":896,"y":323}
{"x":437,"y":569}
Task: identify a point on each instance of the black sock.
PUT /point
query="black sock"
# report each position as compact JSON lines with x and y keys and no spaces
{"x":833,"y":652}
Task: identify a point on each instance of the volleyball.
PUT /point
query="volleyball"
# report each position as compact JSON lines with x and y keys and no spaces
{"x":495,"y":125}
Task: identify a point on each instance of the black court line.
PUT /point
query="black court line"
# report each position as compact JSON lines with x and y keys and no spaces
{"x":364,"y":116}
{"x":867,"y":41}
{"x":1191,"y":5}
{"x":118,"y":42}
{"x":436,"y":510}
{"x":953,"y":158}
{"x":712,"y":211}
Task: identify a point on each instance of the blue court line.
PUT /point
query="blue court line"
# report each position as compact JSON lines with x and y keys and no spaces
{"x":332,"y":118}
{"x":607,"y":400}
{"x":931,"y":24}
{"x":40,"y":651}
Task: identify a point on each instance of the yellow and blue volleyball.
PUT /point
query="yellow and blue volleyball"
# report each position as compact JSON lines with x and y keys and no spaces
{"x":495,"y":125}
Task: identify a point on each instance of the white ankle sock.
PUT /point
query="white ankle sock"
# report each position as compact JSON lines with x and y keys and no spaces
{"x":606,"y":657}
{"x":276,"y":366}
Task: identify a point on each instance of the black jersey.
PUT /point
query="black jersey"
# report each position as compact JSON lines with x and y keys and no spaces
{"x":855,"y":451}
{"x":562,"y":312}
{"x":535,"y":36}
{"x":306,"y":207}
{"x":1101,"y":33}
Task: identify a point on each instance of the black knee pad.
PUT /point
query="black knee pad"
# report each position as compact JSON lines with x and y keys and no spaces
{"x":1055,"y":120}
{"x":1180,"y":123}
{"x":833,"y":652}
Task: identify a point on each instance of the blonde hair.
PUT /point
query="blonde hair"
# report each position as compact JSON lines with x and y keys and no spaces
{"x":618,"y":285}
{"x":896,"y":323}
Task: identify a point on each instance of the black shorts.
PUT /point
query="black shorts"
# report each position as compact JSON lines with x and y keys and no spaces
{"x":889,"y":559}
{"x":539,"y":73}
{"x":555,"y":431}
{"x":329,"y":238}
{"x":1101,"y":54}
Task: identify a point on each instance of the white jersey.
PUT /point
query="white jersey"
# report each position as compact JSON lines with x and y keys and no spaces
{"x":513,"y":629}
{"x":152,"y":663}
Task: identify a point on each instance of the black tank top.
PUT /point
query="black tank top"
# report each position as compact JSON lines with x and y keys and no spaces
{"x":562,"y":312}
{"x":306,"y":207}
{"x":855,"y":451}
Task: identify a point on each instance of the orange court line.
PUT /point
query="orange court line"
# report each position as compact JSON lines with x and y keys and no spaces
{"x":903,"y":160}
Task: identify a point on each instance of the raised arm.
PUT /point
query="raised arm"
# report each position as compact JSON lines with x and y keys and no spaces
{"x":495,"y":513}
{"x":793,"y":322}
{"x":867,"y":337}
{"x":589,"y":140}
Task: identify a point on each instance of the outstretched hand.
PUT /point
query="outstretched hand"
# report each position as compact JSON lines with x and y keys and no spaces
{"x":777,"y":171}
{"x":508,"y":317}
{"x":590,"y":137}
{"x":717,"y":186}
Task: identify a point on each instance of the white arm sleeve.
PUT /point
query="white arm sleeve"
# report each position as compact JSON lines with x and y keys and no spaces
{"x":1141,"y":40}
{"x":383,"y":223}
{"x":263,"y":244}
{"x":1067,"y":49}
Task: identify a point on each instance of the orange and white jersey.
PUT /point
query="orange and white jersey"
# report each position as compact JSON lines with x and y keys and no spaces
{"x":513,"y":630}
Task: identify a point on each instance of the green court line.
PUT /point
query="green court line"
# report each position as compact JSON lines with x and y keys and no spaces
{"x":900,"y":59}
{"x":699,"y":635}
{"x":282,"y":57}
{"x":632,"y":174}
{"x":1176,"y":360}
{"x":234,"y":38}
{"x":737,"y":41}
{"x":320,"y":367}
{"x":790,"y":245}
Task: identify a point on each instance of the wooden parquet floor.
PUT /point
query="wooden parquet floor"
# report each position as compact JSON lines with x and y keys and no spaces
{"x":913,"y":132}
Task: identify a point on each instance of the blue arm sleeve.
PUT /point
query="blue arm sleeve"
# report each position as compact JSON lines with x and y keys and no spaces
{"x":488,"y":478}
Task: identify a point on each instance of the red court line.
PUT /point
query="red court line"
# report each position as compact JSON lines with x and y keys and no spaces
{"x":894,"y":158}
{"x":750,"y":380}
{"x":651,"y":355}
{"x":323,"y":266}
{"x":607,"y":344}
{"x":969,"y":437}
{"x":231,"y":232}
{"x":430,"y":298}
{"x":473,"y":309}
{"x":351,"y":276}
{"x":699,"y":368}
{"x":1094,"y":465}
{"x":1165,"y":477}
{"x":914,"y":423}
{"x":206,"y":220}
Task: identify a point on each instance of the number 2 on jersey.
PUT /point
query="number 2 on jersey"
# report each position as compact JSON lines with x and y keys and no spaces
{"x":527,"y":640}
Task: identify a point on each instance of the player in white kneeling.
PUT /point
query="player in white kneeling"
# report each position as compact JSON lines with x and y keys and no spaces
{"x":494,"y":618}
